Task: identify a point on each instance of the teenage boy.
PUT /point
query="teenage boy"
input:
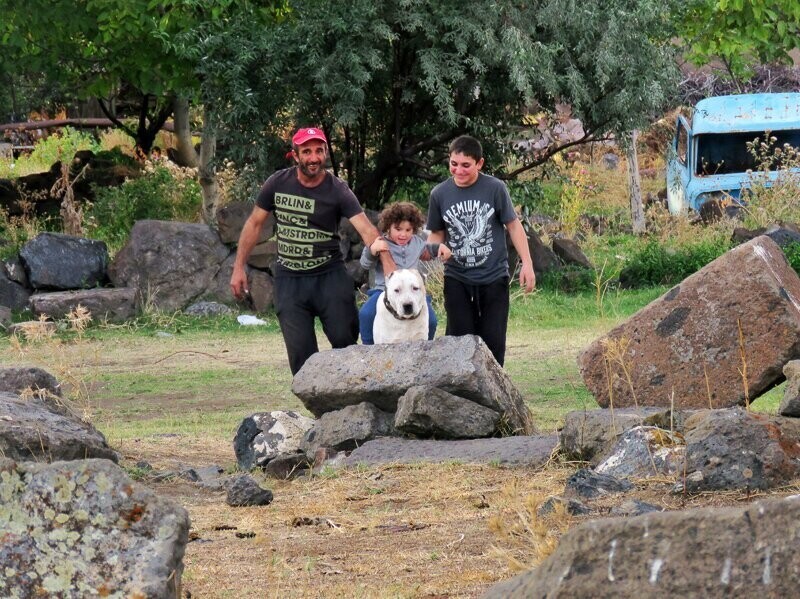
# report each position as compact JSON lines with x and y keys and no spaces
{"x":310,"y":279}
{"x":470,"y":212}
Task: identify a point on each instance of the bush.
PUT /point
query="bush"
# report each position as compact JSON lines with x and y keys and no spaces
{"x":62,"y":146}
{"x":659,"y":264}
{"x":161,"y":193}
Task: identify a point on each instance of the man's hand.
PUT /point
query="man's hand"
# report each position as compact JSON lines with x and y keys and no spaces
{"x":239,"y":283}
{"x":527,"y":278}
{"x":444,"y":253}
{"x":378,"y":246}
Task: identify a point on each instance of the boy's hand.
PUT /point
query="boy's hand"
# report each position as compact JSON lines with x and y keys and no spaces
{"x":378,"y":246}
{"x":444,"y":253}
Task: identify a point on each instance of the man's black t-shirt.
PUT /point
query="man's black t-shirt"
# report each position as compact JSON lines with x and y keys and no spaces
{"x":308,"y":220}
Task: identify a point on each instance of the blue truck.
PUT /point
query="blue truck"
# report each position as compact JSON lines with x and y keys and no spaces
{"x":709,"y":159}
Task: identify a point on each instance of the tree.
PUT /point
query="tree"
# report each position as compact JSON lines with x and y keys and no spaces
{"x":116,"y":49}
{"x":392,"y":82}
{"x":740,"y":33}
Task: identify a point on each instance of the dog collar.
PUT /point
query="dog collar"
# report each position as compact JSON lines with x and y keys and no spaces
{"x":394,"y":312}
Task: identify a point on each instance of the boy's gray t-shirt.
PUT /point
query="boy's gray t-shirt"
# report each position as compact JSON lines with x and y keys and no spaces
{"x":473,"y":219}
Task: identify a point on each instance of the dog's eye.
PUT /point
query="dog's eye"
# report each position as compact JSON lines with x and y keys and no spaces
{"x":397,"y":290}
{"x":415,"y":288}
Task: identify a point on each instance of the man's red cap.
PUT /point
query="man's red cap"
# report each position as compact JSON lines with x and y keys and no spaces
{"x":306,"y":134}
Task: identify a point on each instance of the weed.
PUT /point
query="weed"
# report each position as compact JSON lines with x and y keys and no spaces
{"x":773,"y":191}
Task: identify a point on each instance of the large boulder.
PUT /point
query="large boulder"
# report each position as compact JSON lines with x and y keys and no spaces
{"x":12,"y":294}
{"x":735,"y":449}
{"x":686,"y":347}
{"x":346,"y":429}
{"x":58,"y":261}
{"x":790,"y":404}
{"x":520,"y":451}
{"x":84,"y":529}
{"x":16,"y":379}
{"x":381,"y":374}
{"x":110,"y":305}
{"x":588,"y":434}
{"x":748,"y":551}
{"x":264,"y":436}
{"x":570,"y":252}
{"x":259,"y":284}
{"x":170,"y":264}
{"x":231,"y":218}
{"x":32,"y":429}
{"x":430,"y":412}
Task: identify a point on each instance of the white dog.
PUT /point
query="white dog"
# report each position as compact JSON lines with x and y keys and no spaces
{"x":402,"y":312}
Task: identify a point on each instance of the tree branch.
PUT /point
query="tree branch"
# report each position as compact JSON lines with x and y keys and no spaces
{"x":117,"y":123}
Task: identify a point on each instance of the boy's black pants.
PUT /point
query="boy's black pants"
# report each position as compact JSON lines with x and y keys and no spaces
{"x":329,"y":296}
{"x":478,"y":310}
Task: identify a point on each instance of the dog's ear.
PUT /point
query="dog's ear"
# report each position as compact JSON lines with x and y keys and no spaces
{"x":390,"y":275}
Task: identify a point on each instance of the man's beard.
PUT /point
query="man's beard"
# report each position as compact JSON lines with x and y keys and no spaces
{"x":304,"y":168}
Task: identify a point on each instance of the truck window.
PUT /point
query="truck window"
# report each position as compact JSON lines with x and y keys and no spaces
{"x":726,"y":153}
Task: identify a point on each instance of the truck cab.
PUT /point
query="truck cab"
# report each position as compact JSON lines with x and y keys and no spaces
{"x":709,"y":159}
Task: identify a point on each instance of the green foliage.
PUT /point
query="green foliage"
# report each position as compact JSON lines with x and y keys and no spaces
{"x":792,"y":253}
{"x":161,"y":193}
{"x":657,"y":263}
{"x":62,"y":146}
{"x":536,"y":196}
{"x":392,"y":82}
{"x":742,"y":33}
{"x":773,"y":191}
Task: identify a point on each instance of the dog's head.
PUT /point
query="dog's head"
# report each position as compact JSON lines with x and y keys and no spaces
{"x":405,"y":291}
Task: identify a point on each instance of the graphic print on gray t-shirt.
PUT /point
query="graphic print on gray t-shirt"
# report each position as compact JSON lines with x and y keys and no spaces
{"x":473,"y":219}
{"x":471,"y":232}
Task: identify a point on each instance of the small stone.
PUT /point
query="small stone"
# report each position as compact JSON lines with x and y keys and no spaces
{"x":571,"y":506}
{"x":633,"y":507}
{"x":243,"y":490}
{"x":588,"y":484}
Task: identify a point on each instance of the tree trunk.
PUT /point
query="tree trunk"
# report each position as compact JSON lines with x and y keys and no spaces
{"x":185,"y":154}
{"x":206,"y":171}
{"x":635,"y":185}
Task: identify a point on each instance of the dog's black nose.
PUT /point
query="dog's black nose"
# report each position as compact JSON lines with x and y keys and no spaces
{"x":408,"y":309}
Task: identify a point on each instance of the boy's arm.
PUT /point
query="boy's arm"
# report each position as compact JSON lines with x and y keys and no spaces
{"x":527,"y":278}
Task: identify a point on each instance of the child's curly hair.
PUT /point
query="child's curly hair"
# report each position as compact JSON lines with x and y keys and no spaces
{"x":398,"y":212}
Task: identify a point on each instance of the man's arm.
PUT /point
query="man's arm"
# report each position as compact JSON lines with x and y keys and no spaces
{"x":247,"y":241}
{"x":527,"y":278}
{"x":369,"y":234}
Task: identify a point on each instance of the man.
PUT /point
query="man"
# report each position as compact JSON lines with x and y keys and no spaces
{"x":468,"y":212}
{"x":310,"y":279}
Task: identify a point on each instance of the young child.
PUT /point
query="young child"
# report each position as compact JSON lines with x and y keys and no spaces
{"x":399,"y":224}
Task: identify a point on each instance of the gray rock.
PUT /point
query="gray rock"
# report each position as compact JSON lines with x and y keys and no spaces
{"x":231,"y":218}
{"x":84,"y":529}
{"x":588,"y":434}
{"x":170,"y":263}
{"x":347,"y":428}
{"x":13,"y":295}
{"x":264,"y":256}
{"x":16,"y":379}
{"x":686,"y":344}
{"x":610,"y":161}
{"x":285,"y":467}
{"x":430,"y":412}
{"x":381,"y":374}
{"x":523,"y":451}
{"x":259,"y":284}
{"x":746,"y":551}
{"x":544,"y":260}
{"x":58,"y":261}
{"x":643,"y":452}
{"x":735,"y":449}
{"x":15,"y":271}
{"x":586,"y":484}
{"x":243,"y":490}
{"x":570,"y":252}
{"x":264,"y":436}
{"x":32,"y":430}
{"x":781,"y":235}
{"x":634,"y":507}
{"x":208,"y":310}
{"x":571,"y":506}
{"x":5,"y":317}
{"x":790,"y":404}
{"x":104,"y":305}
